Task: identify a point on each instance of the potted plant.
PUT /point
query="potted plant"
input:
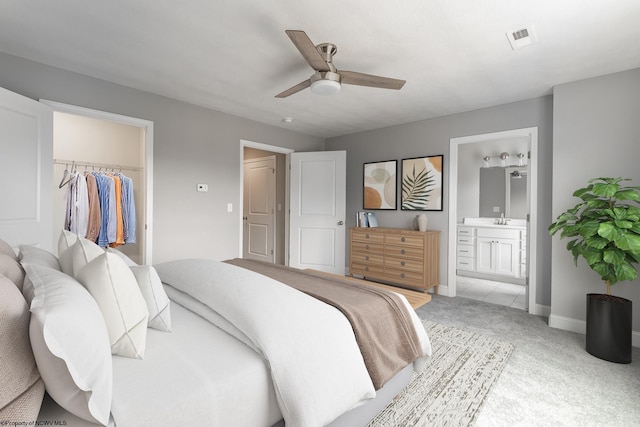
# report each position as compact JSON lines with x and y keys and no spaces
{"x":604,"y":229}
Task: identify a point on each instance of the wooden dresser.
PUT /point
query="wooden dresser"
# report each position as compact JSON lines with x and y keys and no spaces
{"x":400,"y":256}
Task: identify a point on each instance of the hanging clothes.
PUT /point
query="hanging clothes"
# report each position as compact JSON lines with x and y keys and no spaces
{"x":93,"y":227}
{"x":119,"y":237}
{"x":77,"y":217}
{"x":101,"y":207}
{"x":128,"y":209}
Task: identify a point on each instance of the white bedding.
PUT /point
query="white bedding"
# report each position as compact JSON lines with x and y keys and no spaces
{"x":195,"y":375}
{"x":317,"y":369}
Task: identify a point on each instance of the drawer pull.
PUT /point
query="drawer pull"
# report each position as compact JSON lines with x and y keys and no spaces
{"x":366,"y":269}
{"x":402,"y":239}
{"x":402,"y":263}
{"x":367,"y":257}
{"x":402,"y":251}
{"x":366,"y":247}
{"x":402,"y":275}
{"x":367,"y":236}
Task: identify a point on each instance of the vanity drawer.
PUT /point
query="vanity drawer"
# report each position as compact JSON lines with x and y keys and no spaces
{"x":466,"y":240}
{"x":466,"y":251}
{"x":498,"y":233}
{"x":465,"y":264}
{"x":466,"y":231}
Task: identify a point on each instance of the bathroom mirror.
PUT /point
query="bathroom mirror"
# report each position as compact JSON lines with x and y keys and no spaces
{"x":503,"y":190}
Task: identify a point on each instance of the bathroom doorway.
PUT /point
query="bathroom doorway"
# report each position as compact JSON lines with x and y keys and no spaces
{"x":508,"y":152}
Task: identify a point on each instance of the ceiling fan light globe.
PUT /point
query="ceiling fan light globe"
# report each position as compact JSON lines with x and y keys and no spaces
{"x":325,"y":87}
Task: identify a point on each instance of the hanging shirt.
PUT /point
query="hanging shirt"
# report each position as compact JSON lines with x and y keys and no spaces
{"x":119,"y":239}
{"x":128,"y":209}
{"x":107,"y":208}
{"x":93,"y":226}
{"x":79,"y":218}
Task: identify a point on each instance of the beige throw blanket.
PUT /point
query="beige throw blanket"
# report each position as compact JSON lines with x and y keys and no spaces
{"x":382,"y":325}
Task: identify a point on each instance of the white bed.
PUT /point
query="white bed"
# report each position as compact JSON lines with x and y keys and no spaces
{"x":216,"y":368}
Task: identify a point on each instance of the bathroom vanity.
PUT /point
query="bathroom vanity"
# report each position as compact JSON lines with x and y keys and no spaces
{"x":490,"y":249}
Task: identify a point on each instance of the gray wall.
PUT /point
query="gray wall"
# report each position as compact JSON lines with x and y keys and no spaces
{"x":191,"y":145}
{"x":431,"y":137}
{"x":596,"y":133}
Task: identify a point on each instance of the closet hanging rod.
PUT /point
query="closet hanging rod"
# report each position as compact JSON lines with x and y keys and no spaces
{"x":93,"y":165}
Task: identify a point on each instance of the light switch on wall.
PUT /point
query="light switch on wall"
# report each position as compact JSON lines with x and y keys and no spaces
{"x":203,"y":188}
{"x":229,"y":207}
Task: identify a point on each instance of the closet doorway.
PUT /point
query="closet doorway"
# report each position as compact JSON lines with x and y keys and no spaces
{"x":91,"y":140}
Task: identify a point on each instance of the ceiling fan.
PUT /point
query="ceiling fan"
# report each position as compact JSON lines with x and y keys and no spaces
{"x":327,"y":79}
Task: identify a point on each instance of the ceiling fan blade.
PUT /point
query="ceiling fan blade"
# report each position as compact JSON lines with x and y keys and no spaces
{"x":308,"y":50}
{"x":361,"y":79}
{"x":297,"y":88}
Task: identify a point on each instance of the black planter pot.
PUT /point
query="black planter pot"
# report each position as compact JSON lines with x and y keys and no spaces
{"x":609,"y":327}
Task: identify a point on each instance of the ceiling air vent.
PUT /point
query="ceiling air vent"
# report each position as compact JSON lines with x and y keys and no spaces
{"x":521,"y":37}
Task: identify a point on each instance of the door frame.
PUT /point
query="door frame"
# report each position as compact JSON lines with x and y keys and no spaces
{"x":274,"y":149}
{"x":532,"y":183}
{"x":147,"y":125}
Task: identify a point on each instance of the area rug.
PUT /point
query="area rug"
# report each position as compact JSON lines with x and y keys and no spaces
{"x":450,"y":390}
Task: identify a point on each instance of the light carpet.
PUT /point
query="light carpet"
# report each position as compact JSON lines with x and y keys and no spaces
{"x":452,"y":387}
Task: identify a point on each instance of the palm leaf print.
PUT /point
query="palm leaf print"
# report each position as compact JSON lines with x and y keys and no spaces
{"x":415,"y":189}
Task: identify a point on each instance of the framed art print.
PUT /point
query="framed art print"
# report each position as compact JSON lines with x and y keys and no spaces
{"x":379,"y":185}
{"x":422,"y":184}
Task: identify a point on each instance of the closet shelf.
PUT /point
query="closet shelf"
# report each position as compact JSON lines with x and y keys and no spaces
{"x":93,"y":165}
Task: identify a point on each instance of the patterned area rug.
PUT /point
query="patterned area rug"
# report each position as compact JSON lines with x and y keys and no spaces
{"x":452,"y":387}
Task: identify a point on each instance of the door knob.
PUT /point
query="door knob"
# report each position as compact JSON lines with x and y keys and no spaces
{"x":340,"y":222}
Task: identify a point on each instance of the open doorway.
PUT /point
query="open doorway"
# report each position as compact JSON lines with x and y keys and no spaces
{"x":267,"y":221}
{"x":483,"y":256}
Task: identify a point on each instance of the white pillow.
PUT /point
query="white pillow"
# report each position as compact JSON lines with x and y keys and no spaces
{"x":71,"y":344}
{"x":155,"y":297}
{"x":82,"y":252}
{"x":35,"y":255}
{"x":129,"y":261}
{"x":115,"y":289}
{"x":66,"y":240}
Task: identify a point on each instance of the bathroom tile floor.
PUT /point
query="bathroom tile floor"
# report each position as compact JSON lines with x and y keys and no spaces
{"x":500,"y":293}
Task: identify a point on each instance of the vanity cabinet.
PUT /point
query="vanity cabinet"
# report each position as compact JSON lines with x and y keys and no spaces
{"x":492,"y":251}
{"x":398,"y":256}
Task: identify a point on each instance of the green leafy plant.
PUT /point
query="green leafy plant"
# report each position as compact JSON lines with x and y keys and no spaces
{"x":415,"y":189}
{"x":604,"y":229}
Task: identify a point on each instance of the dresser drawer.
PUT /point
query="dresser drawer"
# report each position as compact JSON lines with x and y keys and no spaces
{"x":367,"y":236}
{"x":367,"y":259}
{"x":400,"y":240}
{"x":410,"y":278}
{"x":367,"y":270}
{"x":404,"y":264}
{"x":404,"y":251}
{"x":367,"y":247}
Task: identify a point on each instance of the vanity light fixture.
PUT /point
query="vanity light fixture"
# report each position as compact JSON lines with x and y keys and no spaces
{"x":504,"y":159}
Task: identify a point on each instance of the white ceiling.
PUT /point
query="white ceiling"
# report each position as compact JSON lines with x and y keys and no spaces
{"x":234,"y":56}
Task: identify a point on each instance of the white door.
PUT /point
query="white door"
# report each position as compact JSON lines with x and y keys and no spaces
{"x":26,"y":158}
{"x":317,"y":205}
{"x":259,"y":209}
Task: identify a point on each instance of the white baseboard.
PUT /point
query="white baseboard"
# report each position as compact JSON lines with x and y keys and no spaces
{"x":580,"y":327}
